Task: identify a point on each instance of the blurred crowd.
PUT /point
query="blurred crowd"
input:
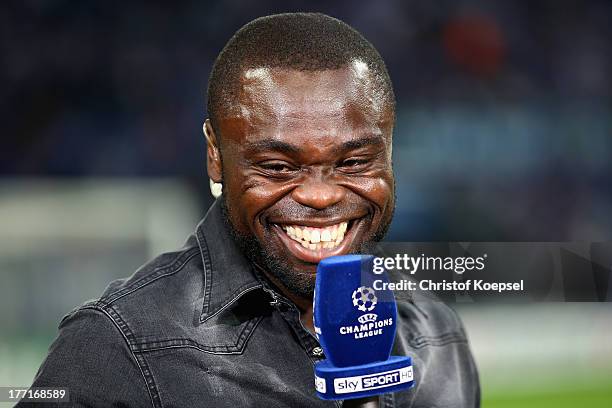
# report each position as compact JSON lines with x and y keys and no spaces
{"x":504,"y":115}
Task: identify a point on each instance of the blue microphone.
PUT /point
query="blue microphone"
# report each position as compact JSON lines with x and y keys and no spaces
{"x":355,"y":325}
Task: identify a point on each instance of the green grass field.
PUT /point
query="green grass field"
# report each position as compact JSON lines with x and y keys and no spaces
{"x":592,"y":398}
{"x":557,"y":388}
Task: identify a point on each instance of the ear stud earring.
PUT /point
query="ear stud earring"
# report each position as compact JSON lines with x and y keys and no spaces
{"x":216,"y":189}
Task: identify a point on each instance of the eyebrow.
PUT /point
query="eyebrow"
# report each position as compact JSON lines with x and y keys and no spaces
{"x":274,"y":145}
{"x":370,"y":140}
{"x":284,"y":147}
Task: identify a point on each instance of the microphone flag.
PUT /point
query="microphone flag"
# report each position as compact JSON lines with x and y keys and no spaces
{"x":355,"y":326}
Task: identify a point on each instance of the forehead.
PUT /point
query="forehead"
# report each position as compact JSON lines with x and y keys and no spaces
{"x":280,"y":101}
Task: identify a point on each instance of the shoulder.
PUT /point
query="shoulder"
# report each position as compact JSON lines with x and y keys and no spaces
{"x":96,"y":353}
{"x":429,"y":321}
{"x":155,"y":290}
{"x":163,"y":270}
{"x":432,"y":333}
{"x":153,"y":297}
{"x":91,"y":358}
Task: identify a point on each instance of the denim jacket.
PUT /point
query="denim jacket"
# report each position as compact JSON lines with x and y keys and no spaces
{"x":198,"y":328}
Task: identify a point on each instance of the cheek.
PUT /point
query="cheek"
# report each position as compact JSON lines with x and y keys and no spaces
{"x":378,"y":190}
{"x":256,"y":195}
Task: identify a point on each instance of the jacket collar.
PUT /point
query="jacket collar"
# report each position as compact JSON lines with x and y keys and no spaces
{"x":228,"y":274}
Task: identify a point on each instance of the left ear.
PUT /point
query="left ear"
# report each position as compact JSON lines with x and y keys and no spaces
{"x":213,"y":155}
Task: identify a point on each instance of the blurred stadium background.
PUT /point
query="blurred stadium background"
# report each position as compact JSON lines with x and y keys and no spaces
{"x":503,"y":134}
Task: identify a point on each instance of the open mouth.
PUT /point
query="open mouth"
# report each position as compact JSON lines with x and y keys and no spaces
{"x":311,"y":244}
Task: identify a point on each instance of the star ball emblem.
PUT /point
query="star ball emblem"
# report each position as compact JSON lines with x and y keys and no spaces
{"x":364,"y":298}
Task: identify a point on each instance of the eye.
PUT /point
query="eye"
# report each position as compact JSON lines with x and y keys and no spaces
{"x":353,"y":162}
{"x":277,"y":167}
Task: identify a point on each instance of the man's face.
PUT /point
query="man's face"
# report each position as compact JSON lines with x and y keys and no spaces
{"x":306,"y":168}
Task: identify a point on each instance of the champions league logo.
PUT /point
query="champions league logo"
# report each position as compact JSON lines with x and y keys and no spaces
{"x":365,"y":300}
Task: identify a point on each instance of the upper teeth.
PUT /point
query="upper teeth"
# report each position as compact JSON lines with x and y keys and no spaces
{"x":309,"y":237}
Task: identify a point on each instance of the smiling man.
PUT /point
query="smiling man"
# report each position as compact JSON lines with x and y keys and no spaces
{"x":301,"y":114}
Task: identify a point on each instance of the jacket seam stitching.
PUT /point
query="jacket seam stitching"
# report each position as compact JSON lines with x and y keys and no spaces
{"x":188,"y":343}
{"x":207,"y":264}
{"x":423,"y":341}
{"x":153,"y":391}
{"x":127,"y":341}
{"x":158,"y":273}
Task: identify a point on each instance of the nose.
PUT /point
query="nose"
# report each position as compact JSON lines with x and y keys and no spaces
{"x":318,"y":194}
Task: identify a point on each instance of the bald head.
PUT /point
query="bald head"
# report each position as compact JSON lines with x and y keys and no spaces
{"x":296,"y":41}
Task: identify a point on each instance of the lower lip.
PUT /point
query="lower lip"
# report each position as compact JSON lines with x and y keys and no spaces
{"x":315,"y":256}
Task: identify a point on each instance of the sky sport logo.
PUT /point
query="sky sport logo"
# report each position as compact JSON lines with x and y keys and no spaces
{"x":373,"y":381}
